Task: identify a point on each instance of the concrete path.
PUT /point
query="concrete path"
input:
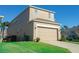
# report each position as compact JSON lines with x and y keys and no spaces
{"x":74,"y":48}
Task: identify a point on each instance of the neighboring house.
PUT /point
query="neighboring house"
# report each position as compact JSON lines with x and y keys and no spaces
{"x":36,"y":23}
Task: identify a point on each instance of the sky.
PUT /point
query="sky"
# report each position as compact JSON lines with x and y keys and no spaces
{"x":65,"y":14}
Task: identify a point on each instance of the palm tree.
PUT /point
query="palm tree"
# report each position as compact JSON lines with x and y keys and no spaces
{"x":3,"y":27}
{"x":1,"y":17}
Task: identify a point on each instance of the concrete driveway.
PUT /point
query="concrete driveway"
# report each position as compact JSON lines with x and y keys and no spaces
{"x":74,"y":48}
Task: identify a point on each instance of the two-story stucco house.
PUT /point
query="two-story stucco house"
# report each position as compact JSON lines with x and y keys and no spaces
{"x":37,"y":23}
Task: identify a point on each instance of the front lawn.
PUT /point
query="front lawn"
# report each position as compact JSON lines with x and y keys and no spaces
{"x":30,"y":47}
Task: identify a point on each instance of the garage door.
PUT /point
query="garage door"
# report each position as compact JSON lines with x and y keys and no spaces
{"x":47,"y":34}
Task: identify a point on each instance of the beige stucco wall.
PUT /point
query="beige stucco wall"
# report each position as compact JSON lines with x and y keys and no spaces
{"x":42,"y":14}
{"x":21,"y":25}
{"x":47,"y":20}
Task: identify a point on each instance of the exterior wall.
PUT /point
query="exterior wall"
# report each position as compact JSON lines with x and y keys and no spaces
{"x":42,"y":14}
{"x":43,"y":18}
{"x":21,"y":25}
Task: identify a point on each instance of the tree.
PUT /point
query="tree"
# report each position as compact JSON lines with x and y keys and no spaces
{"x":64,"y":33}
{"x":3,"y":27}
{"x":66,"y":27}
{"x":6,"y":23}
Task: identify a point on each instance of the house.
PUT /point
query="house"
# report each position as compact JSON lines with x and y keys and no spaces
{"x":36,"y":23}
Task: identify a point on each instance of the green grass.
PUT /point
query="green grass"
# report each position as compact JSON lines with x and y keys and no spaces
{"x":30,"y":47}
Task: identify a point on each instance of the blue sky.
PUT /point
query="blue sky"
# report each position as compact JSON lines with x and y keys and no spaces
{"x":65,"y":14}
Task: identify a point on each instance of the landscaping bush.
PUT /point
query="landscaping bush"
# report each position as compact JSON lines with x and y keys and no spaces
{"x":26,"y":38}
{"x":10,"y":38}
{"x":7,"y":39}
{"x":63,"y":38}
{"x":4,"y":40}
{"x":37,"y":40}
{"x":13,"y":38}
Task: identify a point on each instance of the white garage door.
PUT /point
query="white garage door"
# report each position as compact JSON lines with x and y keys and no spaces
{"x":47,"y":34}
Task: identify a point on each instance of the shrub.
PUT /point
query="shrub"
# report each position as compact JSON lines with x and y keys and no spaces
{"x":63,"y":38}
{"x":7,"y":39}
{"x":37,"y":40}
{"x":13,"y":38}
{"x":26,"y":38}
{"x":10,"y":38}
